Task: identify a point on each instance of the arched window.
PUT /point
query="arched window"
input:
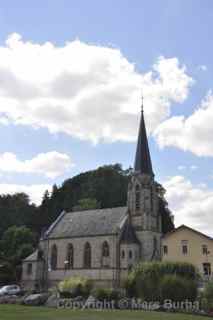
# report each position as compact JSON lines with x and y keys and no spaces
{"x":29,"y":269}
{"x":70,"y":258}
{"x":105,"y":249}
{"x":130,"y":254}
{"x":137,"y":197}
{"x":87,"y":255}
{"x":155,"y":243}
{"x":54,"y":257}
{"x":122,"y":254}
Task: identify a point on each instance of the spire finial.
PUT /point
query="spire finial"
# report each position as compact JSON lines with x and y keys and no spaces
{"x":142,"y":99}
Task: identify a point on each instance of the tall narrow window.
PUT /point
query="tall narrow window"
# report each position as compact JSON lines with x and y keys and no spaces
{"x":54,"y":257}
{"x":122,"y":254}
{"x":155,"y":243}
{"x":137,"y":198}
{"x":70,"y":254}
{"x":207,"y":269}
{"x":29,"y":269}
{"x":184,"y":247}
{"x":105,"y":249}
{"x":165,"y":250}
{"x":87,"y":256}
{"x":205,"y":249}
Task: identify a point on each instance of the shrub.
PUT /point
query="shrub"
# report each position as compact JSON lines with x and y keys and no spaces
{"x":207,"y":297}
{"x":130,"y":286}
{"x":145,"y":279}
{"x":75,"y":286}
{"x":158,"y":269}
{"x":102,"y":294}
{"x":177,"y":289}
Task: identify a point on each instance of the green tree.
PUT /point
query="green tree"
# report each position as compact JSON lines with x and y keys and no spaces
{"x":16,"y":210}
{"x":167,"y":219}
{"x":86,"y":204}
{"x":16,"y":244}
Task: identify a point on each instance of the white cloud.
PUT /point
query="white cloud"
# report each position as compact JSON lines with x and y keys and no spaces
{"x":4,"y":121}
{"x":190,"y":134}
{"x":181,"y":167}
{"x":192,"y":167}
{"x":191,"y":205}
{"x":51,"y":164}
{"x":202,"y":67}
{"x":87,"y":91}
{"x":35,"y":192}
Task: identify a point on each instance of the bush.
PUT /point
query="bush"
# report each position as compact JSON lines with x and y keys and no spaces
{"x":177,"y":289}
{"x":159,"y":269}
{"x":75,"y":286}
{"x":145,"y":279}
{"x":102,"y":294}
{"x":130,"y":286}
{"x":207,"y":297}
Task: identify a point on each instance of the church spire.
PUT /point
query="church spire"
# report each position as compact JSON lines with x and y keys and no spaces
{"x":143,"y":162}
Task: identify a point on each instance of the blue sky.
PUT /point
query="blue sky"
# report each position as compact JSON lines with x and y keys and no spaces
{"x":49,"y":134}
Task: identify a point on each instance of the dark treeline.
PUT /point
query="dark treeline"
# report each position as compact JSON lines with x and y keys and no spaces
{"x":104,"y":187}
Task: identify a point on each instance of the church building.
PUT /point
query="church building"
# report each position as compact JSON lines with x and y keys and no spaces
{"x":103,"y":244}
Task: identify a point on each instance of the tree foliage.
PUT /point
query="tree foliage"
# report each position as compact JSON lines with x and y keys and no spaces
{"x":86,"y":204}
{"x":16,"y":210}
{"x":151,"y":280}
{"x":16,"y":244}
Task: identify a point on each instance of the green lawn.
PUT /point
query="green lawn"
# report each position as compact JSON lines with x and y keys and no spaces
{"x":12,"y":312}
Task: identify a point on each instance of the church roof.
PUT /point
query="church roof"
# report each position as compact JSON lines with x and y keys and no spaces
{"x":32,"y":257}
{"x":143,"y":162}
{"x":89,"y":223}
{"x":128,"y":234}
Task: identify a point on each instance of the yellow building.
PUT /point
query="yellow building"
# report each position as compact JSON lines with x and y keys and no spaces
{"x":185,"y":244}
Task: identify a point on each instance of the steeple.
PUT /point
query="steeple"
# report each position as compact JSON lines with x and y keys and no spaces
{"x":143,"y":162}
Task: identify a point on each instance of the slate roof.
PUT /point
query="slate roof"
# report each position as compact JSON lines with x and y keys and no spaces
{"x":143,"y":162}
{"x":88,"y":223}
{"x":32,"y":257}
{"x":128,"y":234}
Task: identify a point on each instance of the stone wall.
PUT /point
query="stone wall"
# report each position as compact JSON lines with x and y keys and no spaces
{"x":98,"y":273}
{"x":147,"y":241}
{"x":127,"y":260}
{"x":78,"y":245}
{"x":29,"y":280}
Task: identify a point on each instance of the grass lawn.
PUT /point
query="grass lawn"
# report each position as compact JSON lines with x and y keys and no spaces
{"x":13,"y":312}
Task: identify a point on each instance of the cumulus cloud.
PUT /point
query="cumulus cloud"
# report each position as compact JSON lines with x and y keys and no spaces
{"x":191,"y":204}
{"x":190,"y":134}
{"x":87,"y":91}
{"x":35,"y":192}
{"x":50,"y":164}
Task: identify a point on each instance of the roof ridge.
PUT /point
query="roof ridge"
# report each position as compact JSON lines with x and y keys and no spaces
{"x":92,"y":210}
{"x":189,"y":228}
